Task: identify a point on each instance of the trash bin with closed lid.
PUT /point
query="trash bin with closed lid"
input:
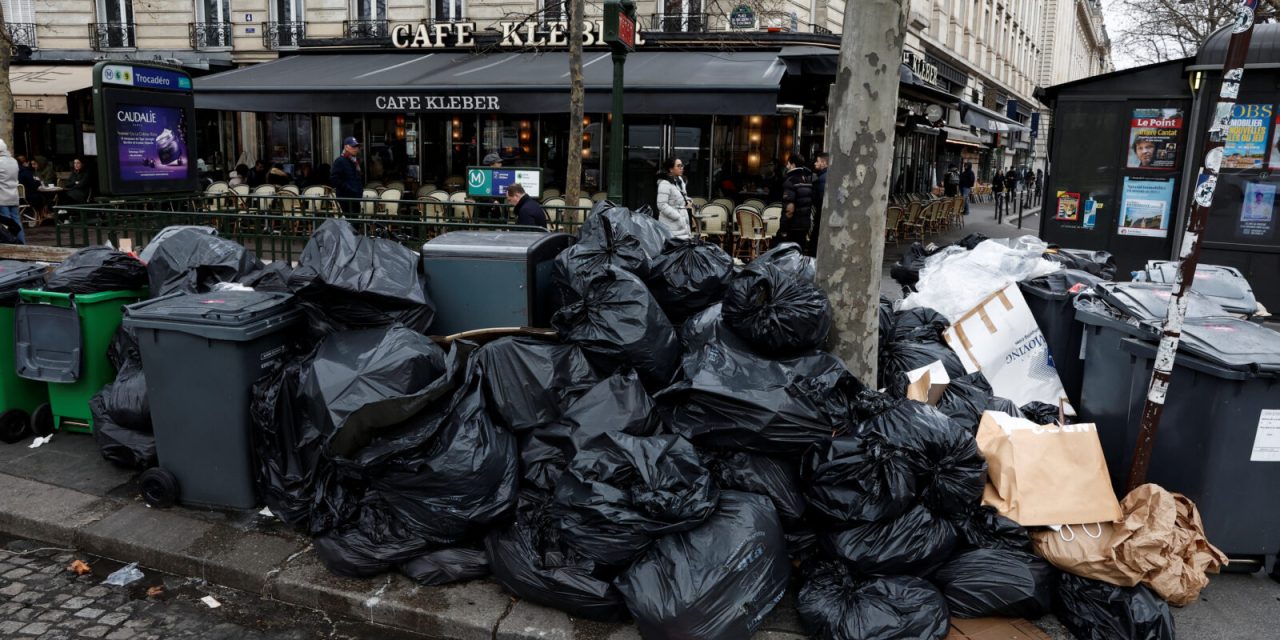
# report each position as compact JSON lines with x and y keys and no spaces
{"x":18,"y":396}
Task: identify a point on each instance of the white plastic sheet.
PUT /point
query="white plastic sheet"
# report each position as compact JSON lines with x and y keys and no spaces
{"x":954,"y":280}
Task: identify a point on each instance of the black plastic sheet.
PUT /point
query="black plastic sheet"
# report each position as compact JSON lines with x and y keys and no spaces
{"x":622,"y":492}
{"x":915,"y":543}
{"x":852,"y":480}
{"x":773,"y":478}
{"x":273,"y":278}
{"x":778,"y":313}
{"x":835,"y":605}
{"x":619,"y":323}
{"x":348,"y":281}
{"x":950,"y":471}
{"x":1094,"y":610}
{"x":906,"y":271}
{"x":972,"y":240}
{"x":920,"y":324}
{"x":1098,"y":263}
{"x":715,"y":582}
{"x":1003,"y":405}
{"x":1040,"y":412}
{"x":193,"y":261}
{"x":689,"y":276}
{"x":95,"y":270}
{"x":447,"y":566}
{"x":996,"y":582}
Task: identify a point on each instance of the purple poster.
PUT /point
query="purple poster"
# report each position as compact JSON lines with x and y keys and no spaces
{"x":152,"y":144}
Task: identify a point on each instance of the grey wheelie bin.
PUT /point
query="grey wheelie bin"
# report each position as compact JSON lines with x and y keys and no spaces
{"x":202,"y":353}
{"x":1219,"y":437}
{"x":1050,"y":299}
{"x":1223,"y":285}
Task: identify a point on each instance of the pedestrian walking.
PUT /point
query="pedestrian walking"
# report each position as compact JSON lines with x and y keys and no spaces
{"x":1011,"y":181}
{"x":820,"y":166}
{"x":346,"y":177}
{"x":9,"y":189}
{"x":951,"y":181}
{"x":528,"y":212}
{"x":967,"y":180}
{"x":797,"y":200}
{"x":674,"y":205}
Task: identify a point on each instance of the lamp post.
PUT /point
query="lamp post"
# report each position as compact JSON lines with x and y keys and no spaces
{"x":620,"y":33}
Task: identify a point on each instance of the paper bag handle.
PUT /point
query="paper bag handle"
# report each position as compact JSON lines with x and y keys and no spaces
{"x":1083,"y":527}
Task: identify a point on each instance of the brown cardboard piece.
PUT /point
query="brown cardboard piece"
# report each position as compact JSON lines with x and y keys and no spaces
{"x":928,"y":383}
{"x":995,"y":629}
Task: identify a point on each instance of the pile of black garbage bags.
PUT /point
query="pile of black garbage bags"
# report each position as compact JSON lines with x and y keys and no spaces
{"x":683,"y":453}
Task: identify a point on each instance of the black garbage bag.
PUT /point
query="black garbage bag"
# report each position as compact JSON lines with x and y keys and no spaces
{"x":920,"y":324}
{"x":529,"y":383}
{"x":1094,"y":610}
{"x":733,"y":399}
{"x":447,"y":566}
{"x":706,"y":327}
{"x":689,"y":276}
{"x":273,"y":278}
{"x":348,"y":281}
{"x":577,"y":264}
{"x":618,"y":323}
{"x":773,"y":478}
{"x":1003,"y":405}
{"x":528,"y":558}
{"x":854,"y":480}
{"x":997,"y":582}
{"x":1098,"y":263}
{"x":790,"y":258}
{"x":97,"y":269}
{"x":193,"y":261}
{"x":906,"y":271}
{"x":1065,"y":281}
{"x":779,"y":314}
{"x":972,"y":240}
{"x":1040,"y":412}
{"x":361,"y":381}
{"x":373,"y":544}
{"x":950,"y":471}
{"x":965,"y":398}
{"x":119,"y":445}
{"x":608,"y":223}
{"x":902,"y":357}
{"x":985,"y":528}
{"x":915,"y":543}
{"x":870,"y":403}
{"x":545,"y":454}
{"x":886,"y":316}
{"x":621,"y":493}
{"x":834,"y":604}
{"x":715,"y":582}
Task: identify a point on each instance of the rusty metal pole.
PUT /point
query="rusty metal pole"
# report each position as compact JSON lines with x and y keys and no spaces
{"x":1206,"y":181}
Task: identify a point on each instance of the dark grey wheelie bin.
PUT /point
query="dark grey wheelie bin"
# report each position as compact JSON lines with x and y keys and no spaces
{"x":202,"y":353}
{"x":1219,"y":437}
{"x":1050,"y":300}
{"x":1224,"y":285}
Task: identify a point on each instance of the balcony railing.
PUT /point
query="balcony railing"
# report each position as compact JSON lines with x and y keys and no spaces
{"x":22,"y":34}
{"x":365,"y":29}
{"x":112,"y":35}
{"x":210,"y":35}
{"x":687,"y":23}
{"x":283,"y":35}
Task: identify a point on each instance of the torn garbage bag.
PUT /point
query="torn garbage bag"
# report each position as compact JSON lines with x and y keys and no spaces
{"x":1093,"y":610}
{"x":348,"y":281}
{"x":836,"y":605}
{"x":715,"y":582}
{"x":622,"y":492}
{"x":779,"y":314}
{"x":97,"y":269}
{"x":528,"y":558}
{"x":447,"y":566}
{"x":995,"y":582}
{"x":773,"y":478}
{"x":362,"y":381}
{"x":619,"y":323}
{"x":851,"y":480}
{"x":915,"y":543}
{"x":272,"y":278}
{"x":689,"y":276}
{"x":193,"y":261}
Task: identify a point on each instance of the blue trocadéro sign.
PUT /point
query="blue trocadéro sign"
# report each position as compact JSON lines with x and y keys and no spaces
{"x":146,"y":77}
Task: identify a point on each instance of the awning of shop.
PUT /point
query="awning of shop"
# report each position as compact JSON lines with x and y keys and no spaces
{"x":810,"y":60}
{"x":963,"y":138}
{"x":44,"y":89}
{"x":657,"y":82}
{"x":987,"y":120}
{"x":910,"y":86}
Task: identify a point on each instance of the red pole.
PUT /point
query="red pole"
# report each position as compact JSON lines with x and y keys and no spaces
{"x":1232,"y":75}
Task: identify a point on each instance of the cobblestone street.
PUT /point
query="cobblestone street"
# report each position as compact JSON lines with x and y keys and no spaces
{"x":42,"y":599}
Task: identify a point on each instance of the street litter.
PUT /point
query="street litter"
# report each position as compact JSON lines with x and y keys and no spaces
{"x":79,"y":567}
{"x":211,"y":602}
{"x":40,"y":441}
{"x":124,"y":576}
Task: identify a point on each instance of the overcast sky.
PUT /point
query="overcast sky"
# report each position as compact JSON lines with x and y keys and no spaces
{"x":1115,"y":19}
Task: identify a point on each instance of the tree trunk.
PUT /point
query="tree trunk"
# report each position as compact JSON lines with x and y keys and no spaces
{"x":6,"y":92}
{"x":851,"y":249}
{"x":577,"y":104}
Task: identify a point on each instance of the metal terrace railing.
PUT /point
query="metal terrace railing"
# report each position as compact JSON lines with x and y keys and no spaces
{"x":277,"y":227}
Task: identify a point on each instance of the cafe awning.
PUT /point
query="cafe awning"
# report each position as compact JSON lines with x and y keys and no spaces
{"x":44,"y":88}
{"x":987,"y":120}
{"x":657,"y":82}
{"x":964,"y":138}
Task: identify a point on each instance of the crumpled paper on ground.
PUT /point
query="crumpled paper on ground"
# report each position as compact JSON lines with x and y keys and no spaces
{"x":1160,"y":543}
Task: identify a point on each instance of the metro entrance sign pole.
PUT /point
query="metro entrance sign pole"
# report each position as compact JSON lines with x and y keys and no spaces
{"x":620,"y":33}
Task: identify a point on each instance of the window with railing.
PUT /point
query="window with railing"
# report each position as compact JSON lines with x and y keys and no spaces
{"x":287,"y":27}
{"x":368,"y":21}
{"x":212,"y":30}
{"x":116,"y":29}
{"x":450,"y":11}
{"x":680,"y":16}
{"x":21,"y":34}
{"x":20,"y":22}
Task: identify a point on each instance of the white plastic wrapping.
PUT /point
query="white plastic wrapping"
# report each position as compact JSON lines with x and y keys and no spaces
{"x":954,"y":280}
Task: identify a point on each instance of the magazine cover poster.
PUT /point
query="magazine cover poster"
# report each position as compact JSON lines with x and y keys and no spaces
{"x":1257,"y":212}
{"x":1247,"y":137}
{"x":1153,"y":138}
{"x":1144,"y":207}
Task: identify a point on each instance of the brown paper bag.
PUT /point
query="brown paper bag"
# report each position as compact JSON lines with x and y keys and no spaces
{"x":1085,"y":550}
{"x":1045,"y":474}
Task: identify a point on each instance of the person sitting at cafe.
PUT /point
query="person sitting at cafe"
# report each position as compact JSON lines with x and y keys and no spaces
{"x":277,"y":176}
{"x":31,"y":185}
{"x":528,"y":211}
{"x":77,"y":183}
{"x":45,"y":170}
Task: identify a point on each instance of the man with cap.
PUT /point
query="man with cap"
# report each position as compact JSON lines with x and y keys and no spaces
{"x":347,"y":177}
{"x":493,"y":160}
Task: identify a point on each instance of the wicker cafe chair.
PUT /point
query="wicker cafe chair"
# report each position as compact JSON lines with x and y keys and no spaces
{"x":554,"y":207}
{"x":912,"y":221}
{"x":751,"y":235}
{"x":461,"y":206}
{"x":390,"y":205}
{"x":892,"y":223}
{"x":712,"y":219}
{"x":957,"y":213}
{"x":772,"y":216}
{"x":754,"y":203}
{"x":369,"y":204}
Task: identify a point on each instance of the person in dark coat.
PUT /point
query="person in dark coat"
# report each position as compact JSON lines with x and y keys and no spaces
{"x":346,"y":176}
{"x":797,"y":200}
{"x":820,"y":166}
{"x":258,"y":176}
{"x":951,"y":182}
{"x":967,"y":180}
{"x":528,"y":212}
{"x":78,"y":187}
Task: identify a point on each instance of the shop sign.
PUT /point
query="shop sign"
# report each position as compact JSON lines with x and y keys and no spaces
{"x":926,"y":70}
{"x":40,"y":104}
{"x":436,"y":103}
{"x":522,"y":33}
{"x":742,"y":17}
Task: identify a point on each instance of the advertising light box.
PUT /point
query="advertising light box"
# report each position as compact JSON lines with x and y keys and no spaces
{"x":145,"y":127}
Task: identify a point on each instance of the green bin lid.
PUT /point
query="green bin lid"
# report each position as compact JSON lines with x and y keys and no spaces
{"x":218,"y":308}
{"x":1232,"y":343}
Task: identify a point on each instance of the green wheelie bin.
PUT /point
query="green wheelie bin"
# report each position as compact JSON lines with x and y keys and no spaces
{"x":19,"y":397}
{"x":62,"y":339}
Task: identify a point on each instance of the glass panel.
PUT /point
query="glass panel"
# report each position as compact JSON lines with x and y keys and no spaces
{"x":643,"y":157}
{"x":691,"y":142}
{"x":511,"y":138}
{"x":449,"y":10}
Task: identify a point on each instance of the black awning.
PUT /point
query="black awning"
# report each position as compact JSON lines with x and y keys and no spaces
{"x":987,"y":120}
{"x":657,"y":82}
{"x":912,"y":87}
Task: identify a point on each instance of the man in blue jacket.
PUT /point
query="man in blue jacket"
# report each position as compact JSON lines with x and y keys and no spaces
{"x":347,"y":177}
{"x":528,"y":211}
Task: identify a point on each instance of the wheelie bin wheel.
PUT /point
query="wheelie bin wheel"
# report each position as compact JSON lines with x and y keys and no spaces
{"x":13,"y":425}
{"x":159,"y":488}
{"x":42,"y":420}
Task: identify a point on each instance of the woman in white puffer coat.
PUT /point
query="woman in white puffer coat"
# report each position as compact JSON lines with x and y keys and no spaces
{"x":673,"y":203}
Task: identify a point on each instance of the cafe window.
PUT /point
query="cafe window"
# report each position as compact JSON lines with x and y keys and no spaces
{"x":511,"y":138}
{"x":449,"y":11}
